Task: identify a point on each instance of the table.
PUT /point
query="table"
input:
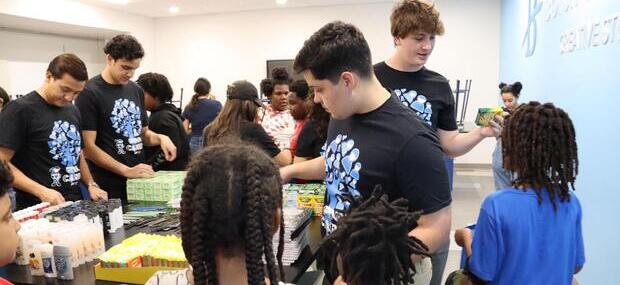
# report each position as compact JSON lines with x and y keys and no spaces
{"x":85,"y":275}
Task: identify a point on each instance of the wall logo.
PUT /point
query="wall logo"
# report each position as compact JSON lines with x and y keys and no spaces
{"x":531,"y":32}
{"x":416,"y":102}
{"x":126,"y":120}
{"x":65,"y":145}
{"x":342,"y":175}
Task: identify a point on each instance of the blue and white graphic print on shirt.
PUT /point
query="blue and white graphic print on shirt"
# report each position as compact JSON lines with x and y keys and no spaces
{"x":342,"y":175}
{"x":126,"y":121}
{"x":417,"y":102}
{"x":65,"y":145}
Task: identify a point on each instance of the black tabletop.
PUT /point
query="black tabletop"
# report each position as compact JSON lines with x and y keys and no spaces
{"x":84,"y":274}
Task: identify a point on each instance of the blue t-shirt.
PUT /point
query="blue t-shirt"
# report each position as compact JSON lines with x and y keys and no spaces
{"x":519,"y":241}
{"x":202,"y":115}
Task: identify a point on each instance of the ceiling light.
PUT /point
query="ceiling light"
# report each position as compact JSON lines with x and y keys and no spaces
{"x":281,"y":2}
{"x":173,"y":9}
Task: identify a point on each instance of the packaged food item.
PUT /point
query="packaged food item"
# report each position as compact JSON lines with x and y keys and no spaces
{"x":163,"y":187}
{"x":485,"y":115}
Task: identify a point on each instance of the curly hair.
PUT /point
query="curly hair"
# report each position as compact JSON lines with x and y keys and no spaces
{"x":124,"y":47}
{"x":156,"y":85}
{"x":335,"y":48}
{"x":372,"y":242}
{"x":6,"y":178}
{"x":301,"y":89}
{"x":514,"y":89}
{"x":410,"y":16}
{"x":539,"y":146}
{"x":231,"y":198}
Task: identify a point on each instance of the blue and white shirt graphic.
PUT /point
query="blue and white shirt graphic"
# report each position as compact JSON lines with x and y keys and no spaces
{"x":126,"y":121}
{"x":65,"y":145}
{"x":416,"y":102}
{"x":342,"y":174}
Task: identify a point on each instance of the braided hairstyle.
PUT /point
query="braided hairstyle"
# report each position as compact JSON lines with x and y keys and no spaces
{"x":372,"y":244}
{"x":538,"y":145}
{"x":231,"y":198}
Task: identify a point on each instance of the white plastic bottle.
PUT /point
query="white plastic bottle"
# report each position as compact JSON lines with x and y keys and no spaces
{"x":35,"y":261}
{"x":62,"y":259}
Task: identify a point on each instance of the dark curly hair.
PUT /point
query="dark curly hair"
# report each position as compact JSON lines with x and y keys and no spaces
{"x":6,"y":178}
{"x":231,"y":197}
{"x":514,"y":89}
{"x":300,"y":87}
{"x":156,"y":85}
{"x":335,"y":48}
{"x":279,"y":76}
{"x":372,"y":242}
{"x":538,"y":145}
{"x":124,"y":47}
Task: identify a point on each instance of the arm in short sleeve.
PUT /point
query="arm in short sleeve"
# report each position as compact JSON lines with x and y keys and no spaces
{"x":89,"y":109}
{"x":446,"y":119}
{"x":487,"y":245}
{"x":421,"y":174}
{"x":14,"y":126}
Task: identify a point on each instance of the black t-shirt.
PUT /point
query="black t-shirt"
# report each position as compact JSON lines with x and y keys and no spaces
{"x":309,"y":144}
{"x":426,"y":92}
{"x":117,"y":113}
{"x":391,"y":147}
{"x":47,"y":144}
{"x":167,"y":120}
{"x":255,"y":134}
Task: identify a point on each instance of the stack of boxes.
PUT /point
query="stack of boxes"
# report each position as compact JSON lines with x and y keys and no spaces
{"x":163,"y":187}
{"x":295,"y":233}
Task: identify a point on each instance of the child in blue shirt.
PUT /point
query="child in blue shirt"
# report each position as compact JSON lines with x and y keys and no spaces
{"x":531,"y":233}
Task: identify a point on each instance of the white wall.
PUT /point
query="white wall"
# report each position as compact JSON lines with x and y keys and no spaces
{"x":24,"y":57}
{"x":232,"y":46}
{"x":74,"y":13}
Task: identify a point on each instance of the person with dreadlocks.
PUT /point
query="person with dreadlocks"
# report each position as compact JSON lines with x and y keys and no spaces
{"x":372,"y":244}
{"x":530,"y":233}
{"x":231,"y":207}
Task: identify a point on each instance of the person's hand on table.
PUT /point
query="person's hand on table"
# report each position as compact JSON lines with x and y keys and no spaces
{"x":139,"y":171}
{"x":96,"y":193}
{"x":51,"y":196}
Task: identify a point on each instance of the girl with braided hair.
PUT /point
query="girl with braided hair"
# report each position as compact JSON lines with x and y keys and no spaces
{"x":231,"y":207}
{"x":530,"y":233}
{"x":372,"y":244}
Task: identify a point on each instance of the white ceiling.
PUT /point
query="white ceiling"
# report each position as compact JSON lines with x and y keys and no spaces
{"x":159,"y":8}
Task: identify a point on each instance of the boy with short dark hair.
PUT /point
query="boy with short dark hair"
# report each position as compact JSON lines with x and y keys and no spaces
{"x":372,"y":139}
{"x":114,"y":122}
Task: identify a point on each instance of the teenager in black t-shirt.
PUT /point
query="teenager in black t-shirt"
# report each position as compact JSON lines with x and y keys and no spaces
{"x":414,"y":26}
{"x":114,"y":121}
{"x":237,"y":121}
{"x":41,"y":138}
{"x":372,"y":138}
{"x":165,"y":119}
